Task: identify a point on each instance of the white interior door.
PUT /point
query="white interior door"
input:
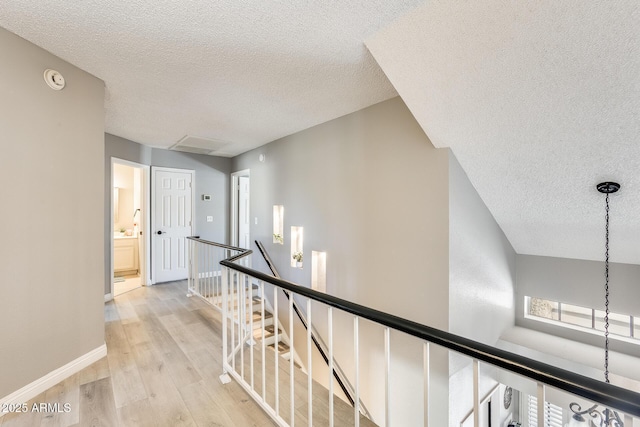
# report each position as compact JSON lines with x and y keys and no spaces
{"x":172,"y":219}
{"x":244,"y":216}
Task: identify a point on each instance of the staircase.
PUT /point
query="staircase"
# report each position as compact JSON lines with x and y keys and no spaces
{"x":276,"y":342}
{"x":209,"y":287}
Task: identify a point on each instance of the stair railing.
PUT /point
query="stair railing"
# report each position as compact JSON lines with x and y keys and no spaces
{"x":205,"y":281}
{"x":338,"y":373}
{"x":205,"y":271}
{"x":250,"y":372}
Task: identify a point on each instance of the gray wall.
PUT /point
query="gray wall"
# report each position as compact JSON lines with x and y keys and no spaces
{"x":370,"y":190}
{"x":577,"y":282}
{"x":51,"y":257}
{"x":211,"y":177}
{"x":482,"y":272}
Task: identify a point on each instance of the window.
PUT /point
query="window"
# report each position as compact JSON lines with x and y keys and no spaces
{"x":619,"y":324}
{"x":544,"y":308}
{"x":577,"y":317}
{"x":552,"y":413}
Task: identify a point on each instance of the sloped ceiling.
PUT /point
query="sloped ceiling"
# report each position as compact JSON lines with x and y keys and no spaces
{"x":539,"y":101}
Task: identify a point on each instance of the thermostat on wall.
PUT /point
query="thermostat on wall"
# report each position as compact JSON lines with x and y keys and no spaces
{"x":206,"y":197}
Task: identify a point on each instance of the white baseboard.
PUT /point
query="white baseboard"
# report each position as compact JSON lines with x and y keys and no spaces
{"x":33,"y":389}
{"x":108,"y":297}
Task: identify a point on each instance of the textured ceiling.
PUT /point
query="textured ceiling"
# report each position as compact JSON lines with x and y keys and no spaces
{"x":240,"y":72}
{"x":539,"y":101}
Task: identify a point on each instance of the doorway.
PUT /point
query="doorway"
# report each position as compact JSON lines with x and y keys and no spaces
{"x":240,"y":209}
{"x":129,"y":223}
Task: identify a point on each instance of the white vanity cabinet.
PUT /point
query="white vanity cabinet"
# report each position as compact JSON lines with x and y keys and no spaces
{"x":125,"y":254}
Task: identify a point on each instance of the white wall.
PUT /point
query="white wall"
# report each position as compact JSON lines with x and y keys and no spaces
{"x":371,"y":191}
{"x":482,"y":271}
{"x":52,"y":252}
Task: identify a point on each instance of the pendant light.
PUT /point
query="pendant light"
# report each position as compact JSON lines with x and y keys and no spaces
{"x":606,"y":418}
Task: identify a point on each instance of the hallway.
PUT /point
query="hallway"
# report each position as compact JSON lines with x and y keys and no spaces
{"x":162,"y":369}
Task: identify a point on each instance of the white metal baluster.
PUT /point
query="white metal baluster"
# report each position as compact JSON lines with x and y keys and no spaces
{"x":200,"y":265}
{"x":207,"y":281}
{"x":212,"y":281}
{"x":225,"y":312}
{"x":309,"y":364}
{"x":330,"y":326}
{"x":476,"y":393}
{"x":387,"y":373}
{"x":426,"y":376}
{"x":251,"y":342}
{"x":264,"y":360}
{"x":356,"y":351}
{"x":196,"y":267}
{"x":190,"y":272}
{"x":275,"y":329}
{"x":217,"y":288}
{"x":291,"y":379}
{"x":233,"y":319}
{"x":216,"y":296}
{"x":541,"y":402}
{"x":242,"y":322}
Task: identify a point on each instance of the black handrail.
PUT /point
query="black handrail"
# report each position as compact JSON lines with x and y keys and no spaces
{"x":607,"y":394}
{"x":220,"y":245}
{"x":272,"y":267}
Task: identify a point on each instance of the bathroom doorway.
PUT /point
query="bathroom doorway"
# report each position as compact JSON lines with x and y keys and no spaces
{"x":130,"y":219}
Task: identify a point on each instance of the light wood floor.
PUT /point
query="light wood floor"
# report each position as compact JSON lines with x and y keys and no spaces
{"x":162,"y":370}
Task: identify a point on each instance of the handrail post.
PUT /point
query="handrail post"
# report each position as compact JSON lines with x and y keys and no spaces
{"x":356,"y":356}
{"x":541,"y":402}
{"x":225,"y":314}
{"x":309,"y":367}
{"x":387,"y":375}
{"x":476,"y":393}
{"x":426,"y":361}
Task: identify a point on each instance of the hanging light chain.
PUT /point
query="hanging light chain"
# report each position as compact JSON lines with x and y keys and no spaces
{"x":606,"y":293}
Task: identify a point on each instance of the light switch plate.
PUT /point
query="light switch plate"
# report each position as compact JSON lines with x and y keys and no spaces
{"x":209,"y":218}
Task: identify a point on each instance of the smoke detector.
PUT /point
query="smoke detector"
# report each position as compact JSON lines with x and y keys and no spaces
{"x":54,"y":79}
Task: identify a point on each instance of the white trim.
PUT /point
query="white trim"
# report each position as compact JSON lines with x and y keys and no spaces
{"x":234,"y":203}
{"x":145,"y":267}
{"x":42,"y":384}
{"x":192,"y":172}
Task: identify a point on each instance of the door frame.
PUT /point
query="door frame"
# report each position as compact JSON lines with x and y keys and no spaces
{"x":145,"y":253}
{"x":193,"y":207}
{"x":234,"y":204}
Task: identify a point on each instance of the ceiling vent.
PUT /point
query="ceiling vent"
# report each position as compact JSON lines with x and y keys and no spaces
{"x":192,"y":144}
